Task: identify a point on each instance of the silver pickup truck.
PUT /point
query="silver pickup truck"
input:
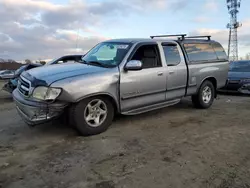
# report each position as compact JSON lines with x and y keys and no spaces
{"x":123,"y":76}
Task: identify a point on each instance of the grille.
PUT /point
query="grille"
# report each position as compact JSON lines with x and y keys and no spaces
{"x":24,"y":86}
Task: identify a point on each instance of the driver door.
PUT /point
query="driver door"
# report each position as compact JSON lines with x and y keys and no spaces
{"x":143,"y":87}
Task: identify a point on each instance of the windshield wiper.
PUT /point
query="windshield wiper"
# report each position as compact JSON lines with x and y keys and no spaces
{"x":97,"y":63}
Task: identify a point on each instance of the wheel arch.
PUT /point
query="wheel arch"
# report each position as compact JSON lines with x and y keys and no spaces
{"x":106,"y":95}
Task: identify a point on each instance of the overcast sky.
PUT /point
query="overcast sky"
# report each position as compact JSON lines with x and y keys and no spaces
{"x":45,"y":29}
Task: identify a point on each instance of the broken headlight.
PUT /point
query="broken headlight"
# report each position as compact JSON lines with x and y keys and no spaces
{"x":46,"y":93}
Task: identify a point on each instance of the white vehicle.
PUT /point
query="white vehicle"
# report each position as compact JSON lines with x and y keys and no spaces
{"x":6,"y":74}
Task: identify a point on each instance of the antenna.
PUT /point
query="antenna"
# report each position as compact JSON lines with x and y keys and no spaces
{"x":77,"y":39}
{"x":233,"y":9}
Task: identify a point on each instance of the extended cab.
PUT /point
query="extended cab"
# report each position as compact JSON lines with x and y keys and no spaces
{"x":126,"y":76}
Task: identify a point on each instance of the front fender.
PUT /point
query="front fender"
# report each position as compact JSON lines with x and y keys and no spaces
{"x":81,"y":87}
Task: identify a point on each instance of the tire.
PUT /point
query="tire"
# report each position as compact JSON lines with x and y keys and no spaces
{"x":80,"y":113}
{"x":199,"y":100}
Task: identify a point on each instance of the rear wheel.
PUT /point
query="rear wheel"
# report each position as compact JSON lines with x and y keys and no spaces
{"x":205,"y":96}
{"x":92,"y":115}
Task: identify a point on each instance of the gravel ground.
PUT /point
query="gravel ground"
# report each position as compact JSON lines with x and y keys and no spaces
{"x":173,"y":147}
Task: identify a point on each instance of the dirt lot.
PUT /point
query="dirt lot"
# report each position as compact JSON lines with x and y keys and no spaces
{"x":173,"y":147}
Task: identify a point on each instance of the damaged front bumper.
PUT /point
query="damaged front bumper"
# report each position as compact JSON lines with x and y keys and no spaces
{"x":34,"y":113}
{"x":10,"y":85}
{"x":245,"y":88}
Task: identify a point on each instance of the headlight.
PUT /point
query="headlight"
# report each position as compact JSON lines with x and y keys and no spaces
{"x":46,"y":93}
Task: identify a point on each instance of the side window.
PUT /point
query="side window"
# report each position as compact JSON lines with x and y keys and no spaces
{"x":220,"y":52}
{"x":172,"y":55}
{"x":200,"y":52}
{"x":148,"y":55}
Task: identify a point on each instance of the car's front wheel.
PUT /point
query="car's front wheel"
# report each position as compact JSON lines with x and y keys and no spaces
{"x":93,"y":115}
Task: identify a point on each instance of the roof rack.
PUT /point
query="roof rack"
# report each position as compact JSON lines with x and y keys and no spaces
{"x":193,"y":37}
{"x":182,"y":36}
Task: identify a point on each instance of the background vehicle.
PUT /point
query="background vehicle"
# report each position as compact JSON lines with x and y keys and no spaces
{"x":65,"y":59}
{"x":126,"y":76}
{"x":239,"y":77}
{"x":6,"y":74}
{"x":12,"y":83}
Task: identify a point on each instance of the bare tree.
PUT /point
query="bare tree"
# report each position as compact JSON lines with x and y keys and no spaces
{"x":11,"y":61}
{"x":41,"y":62}
{"x":27,"y":61}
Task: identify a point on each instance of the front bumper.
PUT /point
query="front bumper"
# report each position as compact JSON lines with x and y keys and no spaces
{"x":241,"y":87}
{"x":245,"y":89}
{"x":33,"y":112}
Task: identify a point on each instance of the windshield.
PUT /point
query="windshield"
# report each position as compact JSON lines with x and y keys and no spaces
{"x":52,"y":61}
{"x":18,"y":71}
{"x":240,"y":66}
{"x":109,"y":54}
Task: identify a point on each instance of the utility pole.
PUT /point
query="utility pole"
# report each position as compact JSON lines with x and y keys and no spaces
{"x":233,"y":9}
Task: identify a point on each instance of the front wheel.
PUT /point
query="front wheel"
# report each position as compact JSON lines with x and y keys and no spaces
{"x":92,"y":116}
{"x":205,"y":96}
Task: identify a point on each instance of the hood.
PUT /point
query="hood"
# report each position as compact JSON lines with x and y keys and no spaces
{"x":238,"y":75}
{"x":52,"y":73}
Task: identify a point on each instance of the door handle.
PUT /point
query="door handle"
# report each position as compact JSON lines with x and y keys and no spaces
{"x":160,"y":73}
{"x":171,"y":72}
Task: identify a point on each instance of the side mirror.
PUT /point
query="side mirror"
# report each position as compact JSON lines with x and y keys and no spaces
{"x":133,"y":65}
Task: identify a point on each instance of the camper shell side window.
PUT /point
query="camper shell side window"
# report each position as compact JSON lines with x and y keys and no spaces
{"x":198,"y":52}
